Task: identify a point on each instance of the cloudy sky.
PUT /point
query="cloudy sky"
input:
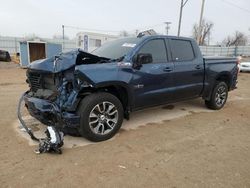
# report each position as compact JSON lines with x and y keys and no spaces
{"x":45,"y":18}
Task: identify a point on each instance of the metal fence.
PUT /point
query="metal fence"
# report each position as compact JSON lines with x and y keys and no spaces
{"x":11,"y":44}
{"x":225,"y":51}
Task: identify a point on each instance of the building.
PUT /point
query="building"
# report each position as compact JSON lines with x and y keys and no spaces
{"x":89,"y":41}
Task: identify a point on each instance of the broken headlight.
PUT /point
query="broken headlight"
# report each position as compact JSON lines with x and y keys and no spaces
{"x":82,"y":83}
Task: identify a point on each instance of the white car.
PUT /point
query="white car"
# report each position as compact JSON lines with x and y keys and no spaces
{"x":244,"y":67}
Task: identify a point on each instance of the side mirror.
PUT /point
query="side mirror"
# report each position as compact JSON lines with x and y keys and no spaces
{"x":141,"y":59}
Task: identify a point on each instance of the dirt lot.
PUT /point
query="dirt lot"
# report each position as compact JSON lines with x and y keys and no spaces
{"x":198,"y":149}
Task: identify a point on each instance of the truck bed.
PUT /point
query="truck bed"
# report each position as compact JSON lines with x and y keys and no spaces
{"x":220,"y":59}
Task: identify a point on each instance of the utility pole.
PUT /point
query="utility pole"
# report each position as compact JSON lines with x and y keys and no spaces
{"x":249,"y":36}
{"x":180,"y":17}
{"x":63,"y":36}
{"x":200,"y":23}
{"x":167,"y":26}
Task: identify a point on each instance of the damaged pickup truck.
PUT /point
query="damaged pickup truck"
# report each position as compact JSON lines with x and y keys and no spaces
{"x":93,"y":93}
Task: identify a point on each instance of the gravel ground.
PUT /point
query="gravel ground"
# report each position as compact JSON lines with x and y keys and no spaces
{"x":199,"y":148}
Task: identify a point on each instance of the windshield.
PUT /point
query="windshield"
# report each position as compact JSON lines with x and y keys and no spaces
{"x":117,"y":48}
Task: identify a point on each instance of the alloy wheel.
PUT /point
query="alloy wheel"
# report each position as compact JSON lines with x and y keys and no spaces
{"x":103,"y":118}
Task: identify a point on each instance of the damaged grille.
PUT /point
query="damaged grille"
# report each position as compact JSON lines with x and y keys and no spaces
{"x":35,"y":81}
{"x":41,"y":80}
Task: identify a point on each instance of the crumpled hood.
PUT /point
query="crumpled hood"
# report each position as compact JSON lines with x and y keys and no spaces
{"x":65,"y":61}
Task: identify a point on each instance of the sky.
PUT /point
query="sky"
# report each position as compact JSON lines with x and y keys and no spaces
{"x":45,"y":18}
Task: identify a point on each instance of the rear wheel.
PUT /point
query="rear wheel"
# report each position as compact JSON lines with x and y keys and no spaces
{"x":101,"y":116}
{"x":219,"y":96}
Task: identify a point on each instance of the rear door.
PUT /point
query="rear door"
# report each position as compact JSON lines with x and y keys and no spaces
{"x":188,"y":69}
{"x":153,"y":83}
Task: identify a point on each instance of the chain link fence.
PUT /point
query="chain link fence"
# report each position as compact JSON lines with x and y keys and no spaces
{"x":225,"y":51}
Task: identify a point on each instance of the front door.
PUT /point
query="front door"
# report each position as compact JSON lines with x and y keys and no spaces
{"x":153,"y":83}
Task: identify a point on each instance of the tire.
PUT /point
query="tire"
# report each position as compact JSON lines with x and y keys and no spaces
{"x":101,"y":116}
{"x":219,"y":96}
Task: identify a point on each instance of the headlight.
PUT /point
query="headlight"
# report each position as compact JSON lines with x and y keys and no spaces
{"x":83,"y":83}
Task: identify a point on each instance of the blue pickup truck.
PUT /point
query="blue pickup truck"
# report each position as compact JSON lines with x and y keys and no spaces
{"x":93,"y":92}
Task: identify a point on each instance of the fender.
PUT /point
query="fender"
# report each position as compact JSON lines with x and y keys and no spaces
{"x":209,"y":87}
{"x":122,"y":84}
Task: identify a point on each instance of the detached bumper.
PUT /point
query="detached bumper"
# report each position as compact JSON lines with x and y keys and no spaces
{"x":49,"y":114}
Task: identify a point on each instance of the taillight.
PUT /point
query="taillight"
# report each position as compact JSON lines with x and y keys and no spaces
{"x":238,"y":60}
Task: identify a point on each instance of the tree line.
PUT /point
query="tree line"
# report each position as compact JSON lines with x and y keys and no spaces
{"x":236,"y":39}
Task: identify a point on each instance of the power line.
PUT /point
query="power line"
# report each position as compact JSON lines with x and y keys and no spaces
{"x":110,"y":31}
{"x":97,"y":30}
{"x":236,"y":6}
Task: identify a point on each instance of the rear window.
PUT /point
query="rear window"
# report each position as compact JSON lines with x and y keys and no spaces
{"x":182,"y":50}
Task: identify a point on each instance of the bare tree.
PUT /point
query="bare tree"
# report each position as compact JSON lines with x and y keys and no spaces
{"x":238,"y":39}
{"x":206,"y":28}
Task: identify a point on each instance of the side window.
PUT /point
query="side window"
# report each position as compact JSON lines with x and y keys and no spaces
{"x":182,"y":50}
{"x":157,"y":49}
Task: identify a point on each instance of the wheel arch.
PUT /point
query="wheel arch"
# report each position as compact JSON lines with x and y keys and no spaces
{"x":224,"y":77}
{"x":119,"y":89}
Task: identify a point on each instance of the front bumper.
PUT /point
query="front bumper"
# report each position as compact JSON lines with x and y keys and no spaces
{"x":49,"y":113}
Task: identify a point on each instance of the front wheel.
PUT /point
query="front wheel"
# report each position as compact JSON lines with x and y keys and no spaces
{"x":101,"y":116}
{"x":218,"y":97}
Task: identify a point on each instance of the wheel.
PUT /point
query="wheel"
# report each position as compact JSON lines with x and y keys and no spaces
{"x":218,"y":97}
{"x":101,"y":116}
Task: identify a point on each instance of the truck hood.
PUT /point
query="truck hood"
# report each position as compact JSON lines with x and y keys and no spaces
{"x":65,"y":61}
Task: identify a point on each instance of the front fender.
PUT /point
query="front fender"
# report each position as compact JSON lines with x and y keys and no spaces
{"x":105,"y":75}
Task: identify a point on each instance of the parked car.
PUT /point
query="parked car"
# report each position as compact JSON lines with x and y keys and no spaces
{"x":93,"y":93}
{"x":4,"y":56}
{"x":244,"y":66}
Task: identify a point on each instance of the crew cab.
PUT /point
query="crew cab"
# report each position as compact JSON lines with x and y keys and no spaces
{"x":93,"y":92}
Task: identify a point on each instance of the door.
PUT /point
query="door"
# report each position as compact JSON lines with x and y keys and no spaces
{"x":36,"y":51}
{"x":153,"y":83}
{"x":189,"y":69}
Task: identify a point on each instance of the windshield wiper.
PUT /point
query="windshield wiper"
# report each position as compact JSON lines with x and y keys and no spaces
{"x":117,"y":59}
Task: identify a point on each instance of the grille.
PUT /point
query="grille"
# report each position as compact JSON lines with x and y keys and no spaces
{"x":35,"y":81}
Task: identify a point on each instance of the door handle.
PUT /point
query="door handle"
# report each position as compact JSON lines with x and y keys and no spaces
{"x":168,"y":69}
{"x":198,"y":67}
